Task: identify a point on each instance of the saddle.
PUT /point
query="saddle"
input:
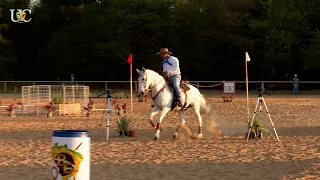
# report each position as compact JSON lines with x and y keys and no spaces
{"x":183,"y":86}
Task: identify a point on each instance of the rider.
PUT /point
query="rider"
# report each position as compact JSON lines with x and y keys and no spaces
{"x":171,"y":69}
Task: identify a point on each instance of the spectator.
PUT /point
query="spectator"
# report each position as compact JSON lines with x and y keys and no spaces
{"x":295,"y":84}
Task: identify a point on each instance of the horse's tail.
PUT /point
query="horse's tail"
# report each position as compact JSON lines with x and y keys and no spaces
{"x":204,"y":105}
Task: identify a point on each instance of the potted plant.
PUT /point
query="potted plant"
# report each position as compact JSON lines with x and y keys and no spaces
{"x":123,"y":122}
{"x":11,"y":110}
{"x":89,"y":107}
{"x":253,"y":129}
{"x":50,"y":108}
{"x":132,"y":133}
{"x":257,"y":128}
{"x":123,"y":126}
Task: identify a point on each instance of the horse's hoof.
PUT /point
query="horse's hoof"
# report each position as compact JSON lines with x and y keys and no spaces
{"x":156,"y":138}
{"x":175,"y":136}
{"x":199,"y":135}
{"x":194,"y":137}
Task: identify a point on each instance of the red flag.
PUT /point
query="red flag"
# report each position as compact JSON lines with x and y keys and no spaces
{"x":130,"y":59}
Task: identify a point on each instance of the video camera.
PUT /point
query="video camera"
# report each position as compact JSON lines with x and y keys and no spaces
{"x":107,"y":91}
{"x":262,"y":90}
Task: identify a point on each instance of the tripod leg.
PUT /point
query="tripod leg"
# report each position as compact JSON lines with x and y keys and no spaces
{"x":254,"y":114}
{"x":120,"y":125}
{"x":265,"y":105}
{"x":259,"y":115}
{"x":108,"y":120}
{"x":260,"y":108}
{"x":103,"y":112}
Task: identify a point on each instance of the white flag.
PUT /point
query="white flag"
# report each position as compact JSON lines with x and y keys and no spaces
{"x":247,"y":57}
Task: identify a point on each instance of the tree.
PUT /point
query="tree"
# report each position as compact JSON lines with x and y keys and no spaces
{"x":100,"y":41}
{"x":280,"y":31}
{"x":93,"y":40}
{"x":6,"y":59}
{"x":311,"y":54}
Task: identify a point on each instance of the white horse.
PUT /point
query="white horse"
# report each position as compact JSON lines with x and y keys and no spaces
{"x":162,"y":97}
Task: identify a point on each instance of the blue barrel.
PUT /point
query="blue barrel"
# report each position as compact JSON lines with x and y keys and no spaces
{"x":70,"y":155}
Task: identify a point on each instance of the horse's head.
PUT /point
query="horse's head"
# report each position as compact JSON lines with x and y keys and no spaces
{"x":144,"y":82}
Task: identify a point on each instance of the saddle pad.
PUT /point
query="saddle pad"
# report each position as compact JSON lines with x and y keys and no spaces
{"x":184,"y":88}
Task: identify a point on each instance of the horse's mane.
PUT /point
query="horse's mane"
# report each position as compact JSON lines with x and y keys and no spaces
{"x":153,"y":72}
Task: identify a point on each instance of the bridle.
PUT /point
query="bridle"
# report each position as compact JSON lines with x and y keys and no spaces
{"x":161,"y":90}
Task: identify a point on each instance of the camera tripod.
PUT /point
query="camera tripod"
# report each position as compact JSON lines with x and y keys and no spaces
{"x":108,"y":102}
{"x":259,"y":103}
{"x":109,"y":110}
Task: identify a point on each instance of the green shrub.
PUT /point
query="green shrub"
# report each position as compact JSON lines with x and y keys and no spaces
{"x":257,"y":126}
{"x":123,"y":124}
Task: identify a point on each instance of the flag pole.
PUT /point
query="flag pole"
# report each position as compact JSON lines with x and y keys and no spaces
{"x":131,"y":86}
{"x":247,"y":84}
{"x":130,"y":62}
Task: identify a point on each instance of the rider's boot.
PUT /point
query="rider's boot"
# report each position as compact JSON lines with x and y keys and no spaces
{"x":180,"y":101}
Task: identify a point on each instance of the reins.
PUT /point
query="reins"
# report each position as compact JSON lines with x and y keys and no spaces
{"x":155,"y":85}
{"x":161,"y":90}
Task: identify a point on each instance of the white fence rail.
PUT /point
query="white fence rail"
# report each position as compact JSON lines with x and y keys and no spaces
{"x":9,"y":86}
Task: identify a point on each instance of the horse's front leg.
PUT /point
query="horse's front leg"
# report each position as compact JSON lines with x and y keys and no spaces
{"x":154,"y":111}
{"x":182,"y":122}
{"x":163,"y":113}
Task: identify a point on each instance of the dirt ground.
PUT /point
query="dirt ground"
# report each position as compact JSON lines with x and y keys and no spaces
{"x":222,"y":153}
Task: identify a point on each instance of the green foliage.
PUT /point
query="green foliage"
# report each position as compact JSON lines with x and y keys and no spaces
{"x":311,"y":54}
{"x":93,"y":40}
{"x":258,"y":126}
{"x":6,"y":59}
{"x":123,"y":124}
{"x":122,"y":94}
{"x":58,"y":100}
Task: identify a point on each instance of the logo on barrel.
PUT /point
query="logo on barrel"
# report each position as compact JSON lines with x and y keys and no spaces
{"x":66,"y":162}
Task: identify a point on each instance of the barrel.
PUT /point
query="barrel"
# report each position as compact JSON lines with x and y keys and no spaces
{"x":70,"y":155}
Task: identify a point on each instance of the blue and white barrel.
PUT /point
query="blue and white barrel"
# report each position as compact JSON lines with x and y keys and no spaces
{"x":70,"y":155}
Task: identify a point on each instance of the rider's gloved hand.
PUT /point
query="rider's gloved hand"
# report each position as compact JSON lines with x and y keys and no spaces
{"x":165,"y":75}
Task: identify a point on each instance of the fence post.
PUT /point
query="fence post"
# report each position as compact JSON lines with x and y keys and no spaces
{"x":34,"y":83}
{"x":5,"y":86}
{"x":105,"y":85}
{"x":198,"y":85}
